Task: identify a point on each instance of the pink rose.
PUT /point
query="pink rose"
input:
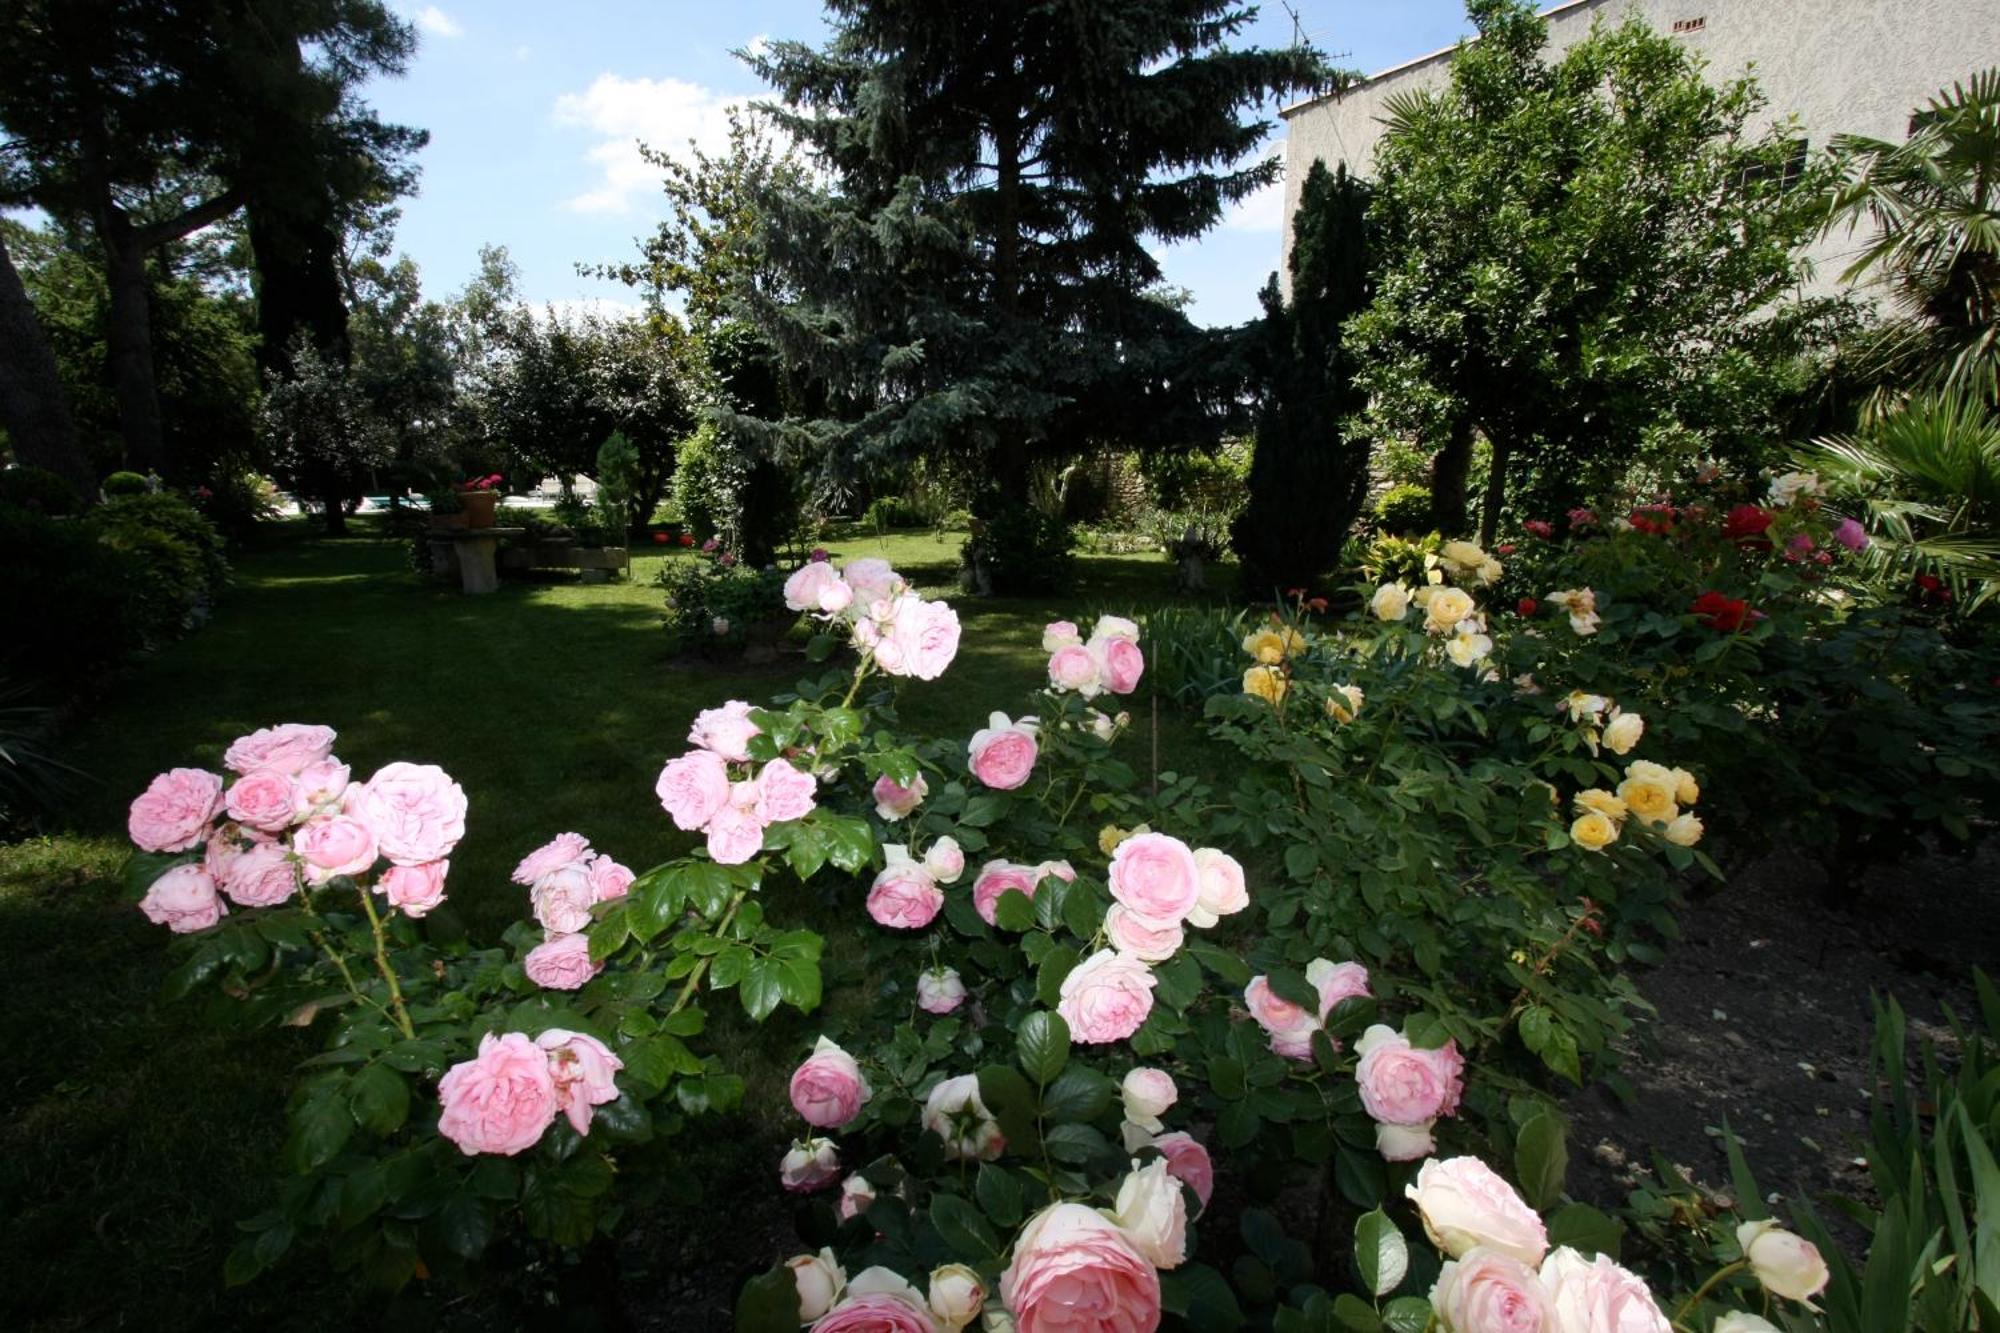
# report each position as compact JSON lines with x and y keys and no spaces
{"x":1592,"y":1294}
{"x":893,"y":801}
{"x":945,"y":859}
{"x":1059,"y":634}
{"x":608,"y":879}
{"x":1146,"y":1094}
{"x":1223,"y":892}
{"x":1074,"y":1269}
{"x":565,"y":849}
{"x":828,"y":1089}
{"x":856,"y":1195}
{"x":955,"y":1112}
{"x":1003,"y":752}
{"x":172,"y":814}
{"x":726,"y":730}
{"x":1401,"y":1085}
{"x":1123,"y":664}
{"x":287,"y":748}
{"x":903,"y":896}
{"x":996,"y":878}
{"x":1106,"y":997}
{"x":808,"y":584}
{"x":1336,"y":982}
{"x":319,"y":788}
{"x":872,"y":580}
{"x":183,"y":900}
{"x":920,"y":639}
{"x":1062,"y":870}
{"x":1289,"y":1026}
{"x":1464,"y":1203}
{"x":582,"y":1068}
{"x":812,"y":1164}
{"x":940,"y":990}
{"x":693,"y":787}
{"x":874,"y":1313}
{"x":561,"y":962}
{"x":261,"y":799}
{"x":1188,"y":1161}
{"x":783,"y":792}
{"x":263,"y":876}
{"x":1490,"y":1292}
{"x":414,"y":889}
{"x":336,"y":845}
{"x":1156,"y":876}
{"x":1141,"y":936}
{"x":562,"y":899}
{"x":500,"y":1101}
{"x":734,"y":835}
{"x":1851,"y":534}
{"x":416,"y":812}
{"x":1071,"y":667}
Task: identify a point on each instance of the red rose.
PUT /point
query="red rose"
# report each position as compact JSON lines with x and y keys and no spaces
{"x":1725,"y":614}
{"x":1528,"y":606}
{"x":1656,"y":519}
{"x":1930,"y":588}
{"x":1746,"y":524}
{"x":687,"y":539}
{"x":659,"y":539}
{"x":1539,"y":527}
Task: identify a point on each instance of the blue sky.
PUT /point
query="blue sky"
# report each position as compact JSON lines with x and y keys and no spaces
{"x":533,"y":109}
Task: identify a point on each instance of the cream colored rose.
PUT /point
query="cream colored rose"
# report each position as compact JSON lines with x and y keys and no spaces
{"x":820,"y":1281}
{"x":957,"y":1296}
{"x":1787,"y":1264}
{"x":1344,"y":704}
{"x":1488,"y":573}
{"x":1464,"y":1203}
{"x":1266,"y":683}
{"x":1152,"y":1212}
{"x":1602,"y":801}
{"x":1593,"y":832}
{"x":1466,"y":649}
{"x":1686,"y":790}
{"x":1648,"y":800}
{"x":1466,"y":555}
{"x":1682,"y":830}
{"x":1645,"y":770}
{"x":1623,"y":732}
{"x":1738,"y":1322}
{"x":1147,"y":1093}
{"x":1447,"y":606}
{"x":1266,"y":645}
{"x":1390,"y":602}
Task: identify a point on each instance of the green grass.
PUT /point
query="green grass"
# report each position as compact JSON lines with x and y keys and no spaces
{"x":131,"y":1136}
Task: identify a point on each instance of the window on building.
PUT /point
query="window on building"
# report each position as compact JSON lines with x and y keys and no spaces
{"x":1786,"y":170}
{"x":1682,"y":27}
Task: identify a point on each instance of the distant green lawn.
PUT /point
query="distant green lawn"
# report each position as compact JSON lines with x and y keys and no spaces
{"x":131,"y":1137}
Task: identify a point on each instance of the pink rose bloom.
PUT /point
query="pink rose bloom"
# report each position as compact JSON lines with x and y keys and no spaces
{"x":1062,"y":870}
{"x":828,"y":1089}
{"x":903,"y":896}
{"x":318,"y":789}
{"x":1490,"y":1292}
{"x":1465,"y":1203}
{"x":872,"y":580}
{"x":945,"y":859}
{"x":336,"y":845}
{"x":1059,"y":634}
{"x":893,"y":801}
{"x":416,"y":812}
{"x":562,"y":899}
{"x":608,"y":879}
{"x":263,"y":876}
{"x":957,"y":1114}
{"x":1123,"y":664}
{"x":1003,"y":752}
{"x":172,"y":814}
{"x":1074,"y":1269}
{"x":1188,"y":1161}
{"x":561,"y":962}
{"x":501,"y":1100}
{"x":874,"y":1313}
{"x":1223,"y":892}
{"x":1289,"y":1027}
{"x":735,"y":834}
{"x":856,"y":1194}
{"x":582,"y":1069}
{"x":1156,"y":876}
{"x":1336,"y":982}
{"x":812,"y":1164}
{"x":996,"y":878}
{"x":924,"y":636}
{"x":1592,"y":1294}
{"x":560,"y":852}
{"x":807,"y":584}
{"x":940,"y":990}
{"x":261,"y":799}
{"x":783,"y":792}
{"x":726,"y":730}
{"x":1071,"y":667}
{"x":415,"y":889}
{"x":183,"y":900}
{"x":1851,"y":534}
{"x":1401,"y":1085}
{"x":1106,"y":997}
{"x":693,"y":787}
{"x":288,"y":748}
{"x":1141,"y":936}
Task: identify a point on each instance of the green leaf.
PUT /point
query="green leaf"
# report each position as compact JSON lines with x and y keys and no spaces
{"x":963,"y":1228}
{"x":1079,"y":1093}
{"x":769,"y":1303}
{"x":1536,"y":1023}
{"x":1043,"y":1045}
{"x":1541,"y":1159}
{"x":1225,"y":1077}
{"x":379,"y":1098}
{"x":850,"y":840}
{"x":1056,"y":965}
{"x":999,"y":1194}
{"x":1289,"y":985}
{"x":1227,"y":967}
{"x":1380,"y":1253}
{"x":1582,"y":1227}
{"x":1014,"y":910}
{"x":1201,"y":1296}
{"x":319,"y":1128}
{"x":981,"y":811}
{"x":464,"y":1225}
{"x":609,"y":932}
{"x":762,"y":988}
{"x":1407,"y":1314}
{"x":1355,"y":1314}
{"x":1013,"y":1103}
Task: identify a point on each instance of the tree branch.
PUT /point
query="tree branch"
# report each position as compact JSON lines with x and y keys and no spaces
{"x":156,"y":234}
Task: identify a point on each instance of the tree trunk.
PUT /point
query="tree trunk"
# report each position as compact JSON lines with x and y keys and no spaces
{"x":1496,"y":488}
{"x":1448,"y":479}
{"x":336,"y":512}
{"x":130,"y":343}
{"x":33,"y":405}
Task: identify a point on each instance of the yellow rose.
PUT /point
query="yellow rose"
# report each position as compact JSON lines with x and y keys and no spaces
{"x":1645,"y":770}
{"x":1686,"y":790}
{"x":1593,"y":832}
{"x":1602,"y":801}
{"x":1266,"y":645}
{"x":1109,"y":837}
{"x":1344,"y":703}
{"x":1390,"y":602}
{"x":1465,"y":649}
{"x":1649,"y":800}
{"x":1447,"y":607}
{"x":1466,"y":555}
{"x":1294,"y":642}
{"x":1623,"y":732}
{"x":1682,"y":831}
{"x":1267,"y":683}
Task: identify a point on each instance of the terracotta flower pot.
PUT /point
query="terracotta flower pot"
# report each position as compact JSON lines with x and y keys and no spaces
{"x":479,"y":507}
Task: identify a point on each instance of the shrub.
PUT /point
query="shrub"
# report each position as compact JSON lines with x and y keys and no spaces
{"x":120,"y":484}
{"x":1020,"y":548}
{"x":1403,"y":510}
{"x":891,"y":511}
{"x":237,"y":501}
{"x":617,"y":487}
{"x":39,"y":491}
{"x":178,"y":556}
{"x":706,"y":485}
{"x":66,"y":598}
{"x":714,"y":602}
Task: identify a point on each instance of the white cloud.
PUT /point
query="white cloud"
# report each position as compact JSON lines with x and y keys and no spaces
{"x":1262,"y":210}
{"x":663,"y":113}
{"x":758,"y":45}
{"x":437,"y":23}
{"x":523,"y":52}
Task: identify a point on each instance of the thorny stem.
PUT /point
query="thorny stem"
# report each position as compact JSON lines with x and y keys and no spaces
{"x":701,"y":967}
{"x":1585,"y":921}
{"x":339,"y":959}
{"x":1721,"y":1275}
{"x":401,"y":1016}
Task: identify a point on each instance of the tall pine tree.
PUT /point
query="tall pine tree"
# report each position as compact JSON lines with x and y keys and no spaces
{"x":978,"y":279}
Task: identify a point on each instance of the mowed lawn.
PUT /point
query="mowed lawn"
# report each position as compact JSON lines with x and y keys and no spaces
{"x":132,"y":1135}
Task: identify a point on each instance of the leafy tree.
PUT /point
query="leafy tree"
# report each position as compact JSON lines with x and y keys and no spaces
{"x":978,"y":279}
{"x":33,"y":408}
{"x":324,"y":438}
{"x":1309,"y":474}
{"x":1578,"y":257}
{"x":401,"y":350}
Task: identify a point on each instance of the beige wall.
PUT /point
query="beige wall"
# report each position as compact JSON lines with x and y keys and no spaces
{"x":1839,"y":66}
